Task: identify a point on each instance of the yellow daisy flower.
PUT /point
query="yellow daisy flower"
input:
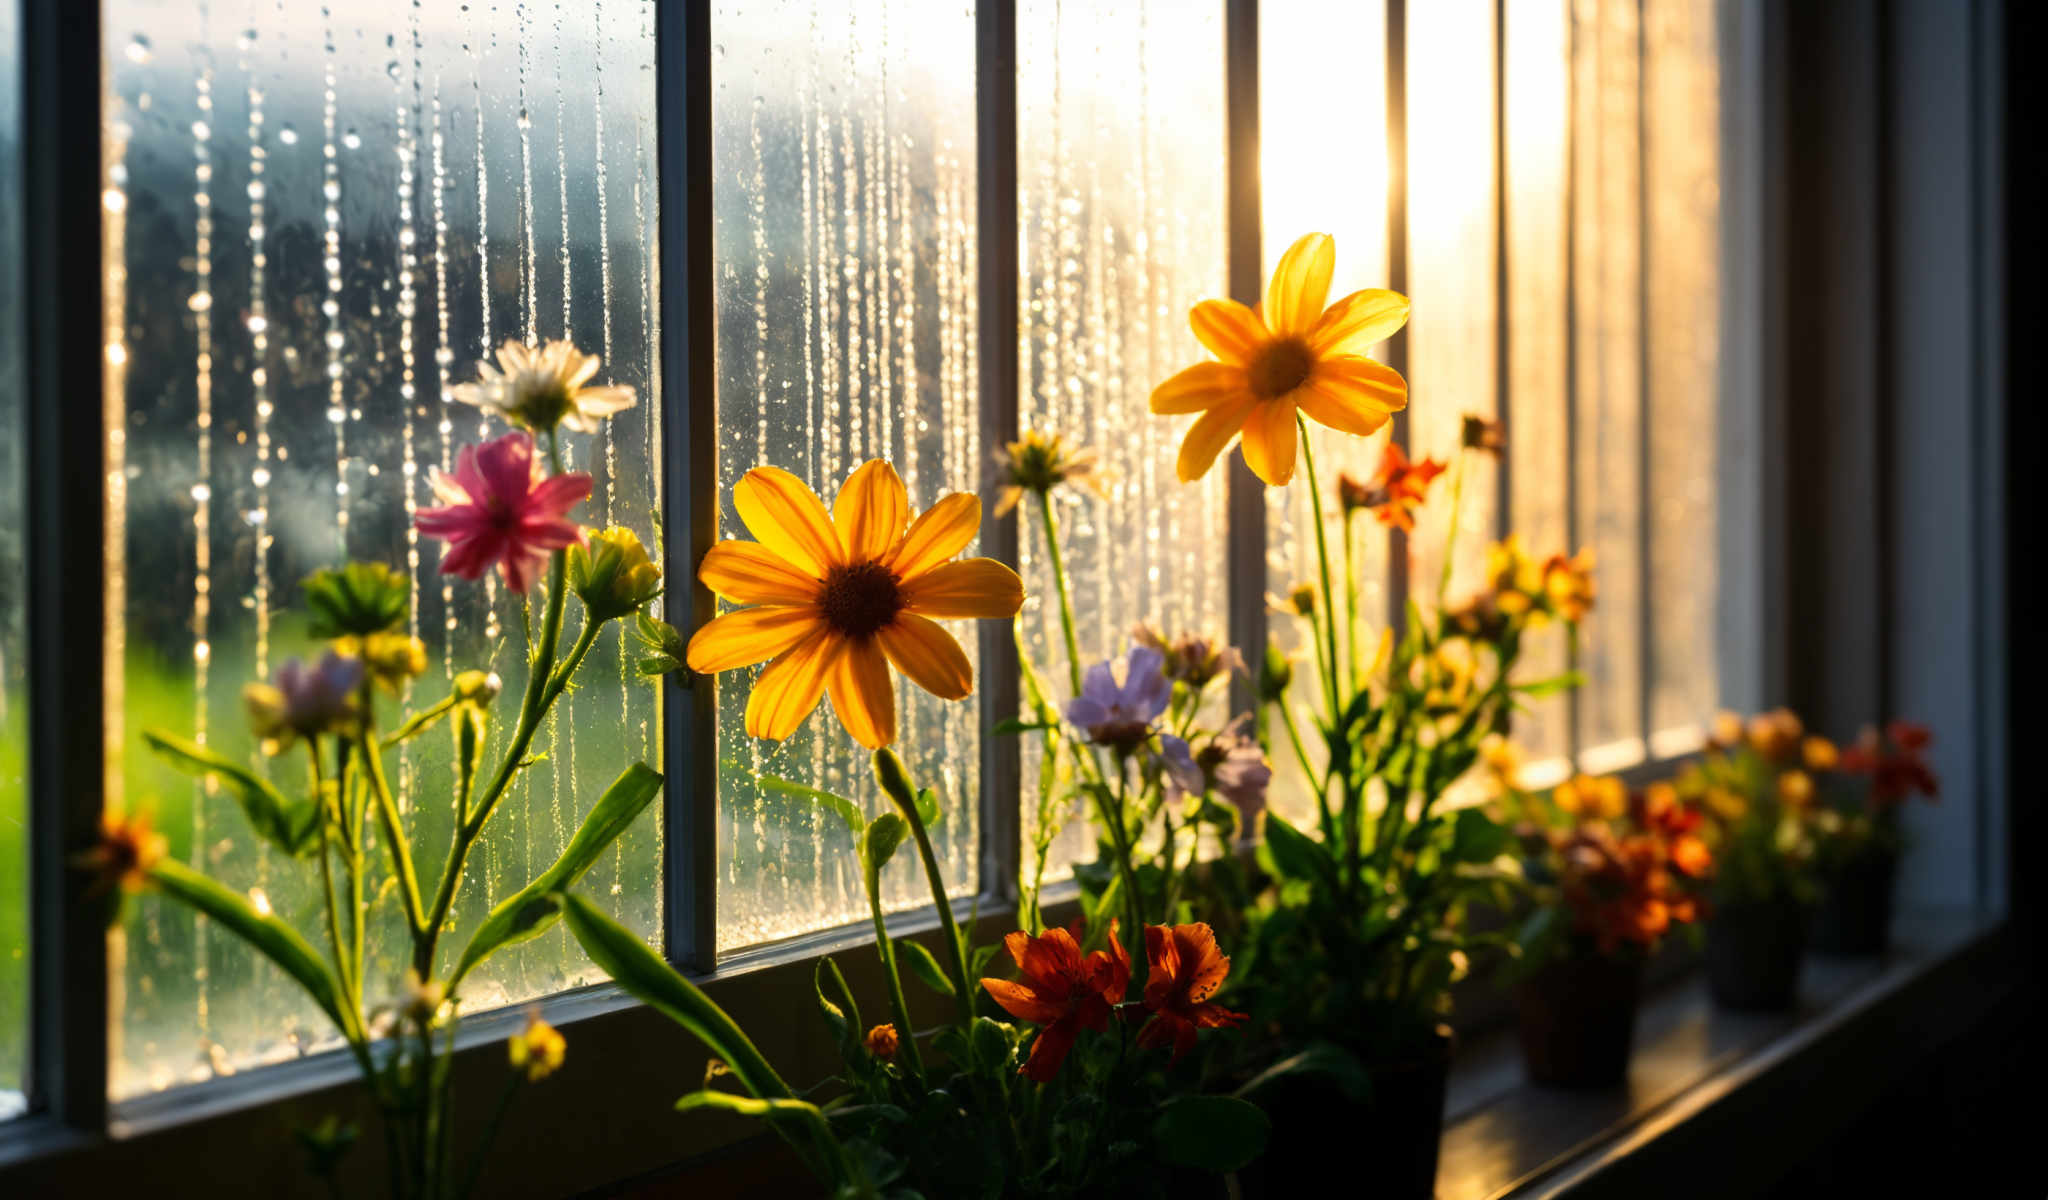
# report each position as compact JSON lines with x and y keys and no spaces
{"x":836,"y":598}
{"x":1292,"y":354}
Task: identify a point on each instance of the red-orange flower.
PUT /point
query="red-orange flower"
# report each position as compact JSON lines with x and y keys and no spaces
{"x":1061,"y":992}
{"x":1396,"y":489}
{"x":1895,"y":763}
{"x":127,"y":849}
{"x":1185,"y":969}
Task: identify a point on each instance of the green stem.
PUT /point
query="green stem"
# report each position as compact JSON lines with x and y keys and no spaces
{"x":349,"y":1008}
{"x":1315,"y":495}
{"x":906,"y":1033}
{"x":956,"y":962}
{"x":1351,"y":603}
{"x":1443,"y":582}
{"x":1134,"y":910}
{"x":1059,"y":579}
{"x":394,"y":832}
{"x":1308,"y":772}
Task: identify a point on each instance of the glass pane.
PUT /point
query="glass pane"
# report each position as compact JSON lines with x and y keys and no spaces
{"x":1317,"y":62}
{"x":844,"y":149}
{"x":1452,"y":282}
{"x":1538,"y":98}
{"x":1682,"y":89}
{"x":315,"y":225}
{"x":1608,"y":258}
{"x":13,"y":562}
{"x":1120,"y":131}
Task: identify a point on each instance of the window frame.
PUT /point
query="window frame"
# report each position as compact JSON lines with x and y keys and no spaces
{"x":73,"y":1133}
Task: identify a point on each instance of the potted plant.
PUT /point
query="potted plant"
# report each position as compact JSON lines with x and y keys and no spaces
{"x":1058,"y":1082}
{"x":1351,"y":930}
{"x":1612,"y":873}
{"x":1860,"y":839}
{"x":1756,"y":785}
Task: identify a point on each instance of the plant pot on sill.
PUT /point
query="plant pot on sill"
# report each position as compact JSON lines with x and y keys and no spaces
{"x":1754,"y":951}
{"x":1387,"y":1141}
{"x":1577,"y":1018}
{"x":1855,"y":913}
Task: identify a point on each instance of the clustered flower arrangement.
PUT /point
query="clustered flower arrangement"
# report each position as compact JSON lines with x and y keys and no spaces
{"x":506,"y":506}
{"x":1756,"y":783}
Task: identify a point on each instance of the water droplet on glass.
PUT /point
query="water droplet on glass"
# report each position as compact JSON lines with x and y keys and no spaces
{"x":201,"y":493}
{"x":352,"y":140}
{"x":139,"y":50}
{"x":288,"y":135}
{"x":200,"y":301}
{"x":258,"y":324}
{"x":260,"y":477}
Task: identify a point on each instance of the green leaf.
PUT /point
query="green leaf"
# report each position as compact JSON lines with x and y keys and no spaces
{"x":839,"y":806}
{"x":842,"y":1015}
{"x":801,"y":1114}
{"x":879,"y":841}
{"x":1551,"y":686}
{"x":264,"y":932}
{"x":1295,"y":854}
{"x":1477,"y":837}
{"x":1321,"y":1061}
{"x":288,"y":826}
{"x":1015,"y":725}
{"x":621,"y":953}
{"x":994,"y":1043}
{"x":529,"y":912}
{"x":923,"y":965}
{"x":928,"y":809}
{"x":420,"y":722}
{"x":1210,"y":1133}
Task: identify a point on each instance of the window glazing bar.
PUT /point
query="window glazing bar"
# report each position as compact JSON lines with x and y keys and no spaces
{"x":1503,"y":346}
{"x":67,"y":759}
{"x":995,"y":82}
{"x":1397,"y":278}
{"x":689,"y":398}
{"x":1646,"y":408}
{"x":1574,"y":697}
{"x":1244,"y":241}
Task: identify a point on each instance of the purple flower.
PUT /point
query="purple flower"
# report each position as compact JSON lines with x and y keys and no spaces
{"x":303,"y":701}
{"x":1183,"y":773}
{"x":1242,"y":773}
{"x":1121,"y":714}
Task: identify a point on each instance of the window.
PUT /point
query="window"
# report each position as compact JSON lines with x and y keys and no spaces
{"x":313,"y":228}
{"x":13,"y":646}
{"x":1566,"y":285}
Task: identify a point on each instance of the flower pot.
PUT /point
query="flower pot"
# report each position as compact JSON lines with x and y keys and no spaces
{"x":1855,"y":913}
{"x":1390,"y":1137}
{"x":1754,"y":949}
{"x":1577,"y":1016}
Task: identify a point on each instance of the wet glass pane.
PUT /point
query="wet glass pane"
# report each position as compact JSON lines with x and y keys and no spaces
{"x":1120,"y":128}
{"x":844,"y":152}
{"x":13,"y":559}
{"x":315,"y":225}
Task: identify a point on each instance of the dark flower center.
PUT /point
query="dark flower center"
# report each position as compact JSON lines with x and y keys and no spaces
{"x":860,"y":598}
{"x":1280,"y":368}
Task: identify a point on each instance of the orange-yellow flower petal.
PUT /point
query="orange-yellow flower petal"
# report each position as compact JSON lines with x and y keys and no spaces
{"x":1231,"y":331}
{"x":1269,"y":440}
{"x":1210,"y":434}
{"x":1358,"y":322}
{"x":971,"y":587}
{"x":788,"y":518}
{"x":1300,"y":284}
{"x":863,"y":695}
{"x":871,"y":510}
{"x":750,"y":573}
{"x":1353,"y":394}
{"x":928,"y":655}
{"x":941,"y":532}
{"x":1199,"y":388}
{"x":749,"y":636}
{"x":791,"y":686}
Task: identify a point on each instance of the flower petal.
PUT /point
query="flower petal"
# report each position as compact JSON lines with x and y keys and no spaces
{"x":1210,"y":434}
{"x":791,"y":686}
{"x":1199,"y":388}
{"x":1021,"y":1002}
{"x":1228,"y":329}
{"x":1048,"y":1050}
{"x":1269,"y":437}
{"x":504,"y":468}
{"x":971,"y":587}
{"x":1359,"y":321}
{"x":1354,"y":399}
{"x":749,"y":636}
{"x":871,"y":510}
{"x":942,"y":532}
{"x":928,"y":655}
{"x":1300,"y":284}
{"x":863,"y":695}
{"x":750,"y":573}
{"x":788,"y":518}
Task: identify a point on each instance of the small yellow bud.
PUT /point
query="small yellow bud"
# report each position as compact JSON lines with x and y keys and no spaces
{"x":537,"y":1050}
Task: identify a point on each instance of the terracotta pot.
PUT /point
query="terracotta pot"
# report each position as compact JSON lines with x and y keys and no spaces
{"x":1389,"y":1139}
{"x":1577,"y":1015}
{"x":1855,"y":914}
{"x":1754,"y":950}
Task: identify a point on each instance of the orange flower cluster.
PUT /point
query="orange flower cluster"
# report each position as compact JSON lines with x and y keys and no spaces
{"x":1395,"y":491}
{"x":1063,"y":993}
{"x":1895,"y":762}
{"x":1627,"y":877}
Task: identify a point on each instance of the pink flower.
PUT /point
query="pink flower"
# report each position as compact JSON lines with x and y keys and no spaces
{"x":498,"y":508}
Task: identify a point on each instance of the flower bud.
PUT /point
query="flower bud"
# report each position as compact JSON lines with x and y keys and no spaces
{"x":390,"y":659}
{"x":882,"y":1042}
{"x":537,"y":1050}
{"x":355,"y":600}
{"x":612,"y":573}
{"x":478,"y":687}
{"x":1275,"y":673}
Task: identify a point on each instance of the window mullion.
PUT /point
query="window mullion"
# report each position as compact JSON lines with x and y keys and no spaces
{"x":998,"y":233}
{"x":1246,"y":505}
{"x":67,"y":760}
{"x":1646,"y":637}
{"x":1503,"y":345}
{"x":1396,"y":350}
{"x":1574,"y":697}
{"x":689,"y":399}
